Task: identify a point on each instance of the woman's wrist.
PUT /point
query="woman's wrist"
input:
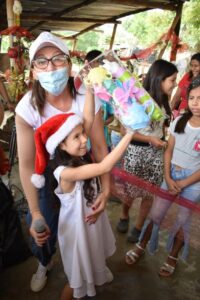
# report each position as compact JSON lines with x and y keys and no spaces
{"x":35,"y":213}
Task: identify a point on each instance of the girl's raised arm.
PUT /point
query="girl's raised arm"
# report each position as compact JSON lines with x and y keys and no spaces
{"x":97,"y":169}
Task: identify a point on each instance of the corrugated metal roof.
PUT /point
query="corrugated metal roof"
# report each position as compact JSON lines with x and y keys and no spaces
{"x":79,"y":15}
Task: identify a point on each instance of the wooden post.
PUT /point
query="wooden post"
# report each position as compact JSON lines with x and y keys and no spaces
{"x":10,"y":14}
{"x":172,"y":28}
{"x":176,"y":31}
{"x":113,"y":36}
{"x":10,"y":20}
{"x":74,"y":44}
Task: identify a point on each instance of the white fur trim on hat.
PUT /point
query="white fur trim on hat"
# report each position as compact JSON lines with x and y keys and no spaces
{"x":38,"y":180}
{"x":47,"y":39}
{"x":55,"y":139}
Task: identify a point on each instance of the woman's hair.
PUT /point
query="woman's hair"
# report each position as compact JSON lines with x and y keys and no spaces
{"x":181,"y":123}
{"x":159,"y":71}
{"x":38,"y":93}
{"x":62,"y":158}
{"x":195,"y":56}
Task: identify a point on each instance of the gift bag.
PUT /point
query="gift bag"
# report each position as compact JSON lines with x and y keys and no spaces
{"x":113,"y":83}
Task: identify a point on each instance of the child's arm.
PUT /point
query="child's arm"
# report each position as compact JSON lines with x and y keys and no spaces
{"x":97,"y":169}
{"x":88,"y":111}
{"x":153,"y":140}
{"x":195,"y":177}
{"x":172,"y":185}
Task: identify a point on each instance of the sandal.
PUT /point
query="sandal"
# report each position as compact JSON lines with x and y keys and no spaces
{"x":132,"y":257}
{"x":167,"y":270}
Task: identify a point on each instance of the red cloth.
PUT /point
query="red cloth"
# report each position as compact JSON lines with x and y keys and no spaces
{"x":183,"y":85}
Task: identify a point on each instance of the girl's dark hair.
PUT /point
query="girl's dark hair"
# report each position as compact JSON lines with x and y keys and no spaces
{"x":62,"y":158}
{"x":195,"y":56}
{"x":159,"y":71}
{"x":38,"y":94}
{"x":181,"y":123}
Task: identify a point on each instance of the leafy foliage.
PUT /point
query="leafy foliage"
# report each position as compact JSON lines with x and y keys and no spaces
{"x":149,"y":26}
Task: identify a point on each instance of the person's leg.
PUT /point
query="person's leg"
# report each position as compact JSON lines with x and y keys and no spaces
{"x":150,"y":230}
{"x":135,"y":232}
{"x":145,"y":207}
{"x":149,"y":168}
{"x":169,"y":266}
{"x":67,"y":293}
{"x":122,"y":225}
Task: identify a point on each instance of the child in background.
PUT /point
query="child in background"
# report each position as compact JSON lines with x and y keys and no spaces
{"x":85,"y":241}
{"x":179,"y":100}
{"x":182,"y":175}
{"x":144,"y":156}
{"x":107,"y":110}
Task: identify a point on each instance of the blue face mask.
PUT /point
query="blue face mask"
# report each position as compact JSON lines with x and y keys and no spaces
{"x":54,"y":82}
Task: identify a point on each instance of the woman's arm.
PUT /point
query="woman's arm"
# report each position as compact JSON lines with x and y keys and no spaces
{"x":88,"y":111}
{"x":3,"y":91}
{"x":26,"y":155}
{"x":1,"y":113}
{"x":97,"y":169}
{"x":176,"y":99}
{"x":99,"y":151}
{"x":172,"y":185}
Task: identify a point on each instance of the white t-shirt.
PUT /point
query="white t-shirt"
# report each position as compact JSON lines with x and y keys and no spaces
{"x":186,"y":152}
{"x":31,"y":115}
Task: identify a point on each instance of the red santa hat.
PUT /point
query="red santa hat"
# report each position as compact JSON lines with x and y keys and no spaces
{"x":47,"y":137}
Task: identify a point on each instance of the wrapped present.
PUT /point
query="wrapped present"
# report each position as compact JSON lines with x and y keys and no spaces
{"x":112,"y":82}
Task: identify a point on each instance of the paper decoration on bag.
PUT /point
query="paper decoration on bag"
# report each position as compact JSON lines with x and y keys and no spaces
{"x":113,"y":83}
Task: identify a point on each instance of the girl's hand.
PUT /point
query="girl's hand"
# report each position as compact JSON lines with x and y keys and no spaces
{"x":173,"y":186}
{"x":42,"y":237}
{"x":98,"y":207}
{"x":156,"y":142}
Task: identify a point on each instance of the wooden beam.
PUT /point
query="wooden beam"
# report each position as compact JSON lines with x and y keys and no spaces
{"x":174,"y":23}
{"x":74,"y":19}
{"x":113,"y":36}
{"x":62,"y":12}
{"x":144,"y":4}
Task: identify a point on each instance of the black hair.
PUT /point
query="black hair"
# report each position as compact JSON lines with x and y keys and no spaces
{"x":92,"y":55}
{"x":181,"y":123}
{"x":159,"y":71}
{"x":195,"y":56}
{"x":62,"y":158}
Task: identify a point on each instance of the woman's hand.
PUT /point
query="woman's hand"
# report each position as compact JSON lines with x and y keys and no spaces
{"x":173,"y":186}
{"x":98,"y":207}
{"x":42,"y":237}
{"x":156,"y":142}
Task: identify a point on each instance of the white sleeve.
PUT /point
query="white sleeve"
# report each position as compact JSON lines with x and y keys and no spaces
{"x":172,"y":126}
{"x":26,"y":111}
{"x":57,"y":172}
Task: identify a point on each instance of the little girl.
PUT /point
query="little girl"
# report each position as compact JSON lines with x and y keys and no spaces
{"x":182,"y":177}
{"x":85,"y":241}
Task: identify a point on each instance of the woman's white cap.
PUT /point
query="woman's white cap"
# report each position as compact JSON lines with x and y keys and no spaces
{"x":46,"y":39}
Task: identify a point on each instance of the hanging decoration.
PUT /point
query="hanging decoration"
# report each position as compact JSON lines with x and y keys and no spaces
{"x":16,"y":75}
{"x":17,"y":9}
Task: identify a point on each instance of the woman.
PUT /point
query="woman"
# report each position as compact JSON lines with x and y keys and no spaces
{"x":179,"y":100}
{"x":52,"y":93}
{"x":144,"y":156}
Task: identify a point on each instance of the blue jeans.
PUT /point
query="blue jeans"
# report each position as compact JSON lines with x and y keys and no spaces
{"x":50,"y":213}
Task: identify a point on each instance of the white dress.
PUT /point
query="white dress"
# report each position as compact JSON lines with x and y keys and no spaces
{"x":84,"y":248}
